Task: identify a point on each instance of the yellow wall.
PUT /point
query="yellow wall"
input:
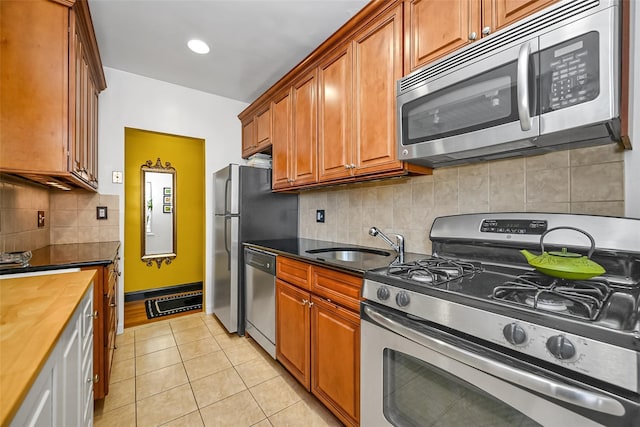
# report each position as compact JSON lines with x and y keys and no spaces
{"x":186,"y":155}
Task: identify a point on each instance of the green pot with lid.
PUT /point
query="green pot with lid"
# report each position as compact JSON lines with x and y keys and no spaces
{"x":564,"y":264}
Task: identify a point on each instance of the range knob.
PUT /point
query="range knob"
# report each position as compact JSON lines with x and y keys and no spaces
{"x":561,"y":347}
{"x":515,"y":334}
{"x":402,"y":299}
{"x":383,"y":293}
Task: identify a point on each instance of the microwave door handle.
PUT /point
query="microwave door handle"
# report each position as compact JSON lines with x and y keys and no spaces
{"x":522,"y":85}
{"x":546,"y":386}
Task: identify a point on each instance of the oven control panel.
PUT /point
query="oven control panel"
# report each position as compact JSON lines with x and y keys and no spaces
{"x":514,"y":226}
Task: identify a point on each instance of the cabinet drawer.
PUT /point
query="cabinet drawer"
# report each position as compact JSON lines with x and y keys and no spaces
{"x":341,"y":288}
{"x":295,"y":272}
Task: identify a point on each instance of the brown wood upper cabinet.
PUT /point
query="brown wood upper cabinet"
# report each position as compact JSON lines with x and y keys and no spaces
{"x":318,"y":333}
{"x":294,"y":138}
{"x":356,"y":113}
{"x":51,"y":76}
{"x":433,"y":31}
{"x":256,"y":132}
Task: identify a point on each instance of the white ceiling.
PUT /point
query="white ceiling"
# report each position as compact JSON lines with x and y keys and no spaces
{"x":253,"y":42}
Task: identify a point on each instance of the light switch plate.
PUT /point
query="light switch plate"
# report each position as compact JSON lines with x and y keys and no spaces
{"x":40,"y":219}
{"x":320,"y":215}
{"x":116,"y":177}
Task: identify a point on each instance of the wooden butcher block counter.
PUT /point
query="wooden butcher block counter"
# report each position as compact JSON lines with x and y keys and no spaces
{"x":34,"y":312}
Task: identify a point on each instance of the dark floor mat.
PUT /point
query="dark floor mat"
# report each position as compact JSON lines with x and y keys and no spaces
{"x":165,"y":306}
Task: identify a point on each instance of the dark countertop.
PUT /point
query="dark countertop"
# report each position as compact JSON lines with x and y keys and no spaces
{"x":297,"y":248}
{"x":71,"y":255}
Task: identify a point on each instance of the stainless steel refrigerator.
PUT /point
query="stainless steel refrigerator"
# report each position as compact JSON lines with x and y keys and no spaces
{"x":245,"y":209}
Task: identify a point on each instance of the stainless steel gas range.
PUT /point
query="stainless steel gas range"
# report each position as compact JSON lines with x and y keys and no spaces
{"x":474,"y":335}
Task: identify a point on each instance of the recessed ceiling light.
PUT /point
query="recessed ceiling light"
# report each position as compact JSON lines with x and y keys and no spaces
{"x":198,"y":46}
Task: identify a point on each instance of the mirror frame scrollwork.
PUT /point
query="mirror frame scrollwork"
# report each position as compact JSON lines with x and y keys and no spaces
{"x":149,"y":166}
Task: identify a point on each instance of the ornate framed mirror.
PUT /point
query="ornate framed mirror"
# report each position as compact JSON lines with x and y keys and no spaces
{"x":158,"y":208}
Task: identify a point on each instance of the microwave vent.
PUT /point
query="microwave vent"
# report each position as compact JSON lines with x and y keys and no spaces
{"x":532,"y":25}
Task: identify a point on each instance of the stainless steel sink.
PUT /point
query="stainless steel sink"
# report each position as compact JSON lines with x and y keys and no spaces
{"x":349,"y":254}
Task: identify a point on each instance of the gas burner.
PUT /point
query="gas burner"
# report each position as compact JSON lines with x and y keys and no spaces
{"x":577,"y":298}
{"x":433,"y":271}
{"x":547,"y":304}
{"x":421,"y":276}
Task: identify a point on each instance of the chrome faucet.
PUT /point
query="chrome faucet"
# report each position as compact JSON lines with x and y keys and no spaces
{"x":398,"y":247}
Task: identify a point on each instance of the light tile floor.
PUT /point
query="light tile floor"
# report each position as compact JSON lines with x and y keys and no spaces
{"x":189,"y":372}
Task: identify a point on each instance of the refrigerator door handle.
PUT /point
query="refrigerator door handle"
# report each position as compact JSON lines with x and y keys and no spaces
{"x":226,"y":241}
{"x":227,"y":209}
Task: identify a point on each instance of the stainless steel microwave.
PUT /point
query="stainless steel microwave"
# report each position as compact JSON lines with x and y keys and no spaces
{"x":549,"y":82}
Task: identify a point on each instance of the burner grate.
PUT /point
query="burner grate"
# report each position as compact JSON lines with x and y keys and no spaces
{"x":577,"y":298}
{"x":433,"y":271}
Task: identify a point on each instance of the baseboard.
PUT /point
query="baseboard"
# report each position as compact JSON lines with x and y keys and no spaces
{"x":158,"y":292}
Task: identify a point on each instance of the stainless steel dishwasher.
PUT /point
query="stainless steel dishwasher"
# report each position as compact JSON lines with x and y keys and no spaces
{"x":260,"y":274}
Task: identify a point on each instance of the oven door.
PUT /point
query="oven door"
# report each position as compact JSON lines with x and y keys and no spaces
{"x":416,"y":375}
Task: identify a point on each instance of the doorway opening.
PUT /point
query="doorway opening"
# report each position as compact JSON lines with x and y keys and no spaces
{"x":186,"y":155}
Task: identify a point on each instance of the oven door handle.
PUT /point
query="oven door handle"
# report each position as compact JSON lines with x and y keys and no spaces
{"x":546,"y":386}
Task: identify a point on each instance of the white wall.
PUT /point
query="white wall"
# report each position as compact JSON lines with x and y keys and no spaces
{"x":632,"y":158}
{"x":139,"y":102}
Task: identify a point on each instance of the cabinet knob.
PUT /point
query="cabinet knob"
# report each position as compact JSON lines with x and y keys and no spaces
{"x":310,"y":304}
{"x":486,"y":31}
{"x":352,"y":166}
{"x":473,"y":35}
{"x":95,"y":379}
{"x":94,"y":314}
{"x":113,"y":304}
{"x":346,"y":166}
{"x":304,"y":302}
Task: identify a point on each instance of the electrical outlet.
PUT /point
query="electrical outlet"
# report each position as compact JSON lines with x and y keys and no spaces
{"x":320,"y":215}
{"x":40,"y":219}
{"x":101,"y":212}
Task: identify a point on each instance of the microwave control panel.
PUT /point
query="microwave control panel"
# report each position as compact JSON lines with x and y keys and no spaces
{"x":570,"y":73}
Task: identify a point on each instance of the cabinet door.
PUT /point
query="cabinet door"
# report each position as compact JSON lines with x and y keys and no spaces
{"x":110,"y":320}
{"x":92,"y":142}
{"x":263,"y":128}
{"x":435,"y":28}
{"x":293,"y":331}
{"x":247,"y":137}
{"x":100,"y":306}
{"x":335,"y":349}
{"x":498,"y":14}
{"x":377,"y":66}
{"x":303,"y":102}
{"x":281,"y":148}
{"x":86,"y":376}
{"x":334,"y":116}
{"x":77,"y":130}
{"x":37,"y":409}
{"x":34,"y":77}
{"x":70,"y":375}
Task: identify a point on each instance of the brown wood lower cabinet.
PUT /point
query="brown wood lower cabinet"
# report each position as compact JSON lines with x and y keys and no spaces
{"x":318,"y":338}
{"x":293,"y":331}
{"x":335,"y":350}
{"x":104,"y":325}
